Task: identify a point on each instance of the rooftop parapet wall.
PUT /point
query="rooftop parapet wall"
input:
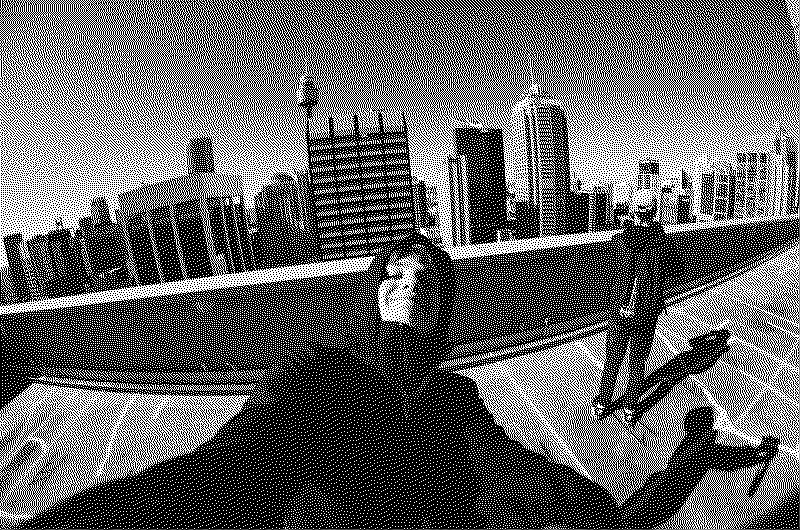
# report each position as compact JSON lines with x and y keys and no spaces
{"x":509,"y":292}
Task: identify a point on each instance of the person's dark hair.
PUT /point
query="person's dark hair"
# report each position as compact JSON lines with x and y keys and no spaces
{"x":645,"y":215}
{"x":417,"y":250}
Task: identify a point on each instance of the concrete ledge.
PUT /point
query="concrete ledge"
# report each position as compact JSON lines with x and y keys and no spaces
{"x":513,"y":291}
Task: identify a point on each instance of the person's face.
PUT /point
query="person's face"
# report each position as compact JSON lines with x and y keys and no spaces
{"x":410,"y":294}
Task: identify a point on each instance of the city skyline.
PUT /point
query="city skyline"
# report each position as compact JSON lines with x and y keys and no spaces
{"x":118,"y":117}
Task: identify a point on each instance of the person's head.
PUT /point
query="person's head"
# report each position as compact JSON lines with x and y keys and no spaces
{"x":643,"y":206}
{"x":409,"y":289}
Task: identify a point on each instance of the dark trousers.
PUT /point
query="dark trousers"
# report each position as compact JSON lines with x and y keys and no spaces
{"x":620,"y":334}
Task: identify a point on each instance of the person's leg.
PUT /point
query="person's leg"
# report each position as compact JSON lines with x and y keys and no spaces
{"x":617,"y":338}
{"x":641,"y":343}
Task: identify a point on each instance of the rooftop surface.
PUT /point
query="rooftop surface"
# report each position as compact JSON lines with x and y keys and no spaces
{"x":56,"y":441}
{"x":542,"y":398}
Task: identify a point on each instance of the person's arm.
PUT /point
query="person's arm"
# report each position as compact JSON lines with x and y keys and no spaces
{"x":674,"y":265}
{"x":520,"y":488}
{"x":240,"y":477}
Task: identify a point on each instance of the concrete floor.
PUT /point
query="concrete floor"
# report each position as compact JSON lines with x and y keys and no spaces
{"x":543,"y":397}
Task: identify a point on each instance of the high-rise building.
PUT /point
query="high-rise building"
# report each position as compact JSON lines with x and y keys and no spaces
{"x":186,"y":227}
{"x":19,"y":281}
{"x":477,"y":185}
{"x":421,"y":204}
{"x":702,"y":170}
{"x":684,"y":207}
{"x":539,"y":159}
{"x":359,"y":181}
{"x":101,"y":215}
{"x":458,"y":193}
{"x":724,"y":190}
{"x":42,"y":260}
{"x":30,"y":273}
{"x":682,"y":180}
{"x":105,"y":248}
{"x":282,"y":239}
{"x":782,"y":192}
{"x":433,"y":230}
{"x":610,"y":201}
{"x":577,"y":214}
{"x":598,"y":209}
{"x":7,"y":295}
{"x":705,"y":202}
{"x":85,"y":225}
{"x":751,"y":182}
{"x":648,"y":175}
{"x":668,"y":205}
{"x":69,"y":273}
{"x":200,"y":155}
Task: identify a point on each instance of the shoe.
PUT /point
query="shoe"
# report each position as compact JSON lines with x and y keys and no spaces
{"x":698,"y":421}
{"x":599,"y":410}
{"x":629,"y":416}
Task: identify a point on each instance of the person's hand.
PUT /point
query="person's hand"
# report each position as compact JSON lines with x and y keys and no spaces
{"x":768,"y":448}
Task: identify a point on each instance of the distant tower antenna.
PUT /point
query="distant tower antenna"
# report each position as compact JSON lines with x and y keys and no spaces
{"x":307,"y":94}
{"x":530,"y":71}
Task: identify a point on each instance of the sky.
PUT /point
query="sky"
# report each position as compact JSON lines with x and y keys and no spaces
{"x":99,"y":98}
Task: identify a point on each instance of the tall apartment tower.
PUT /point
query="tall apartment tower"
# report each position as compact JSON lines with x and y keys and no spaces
{"x":648,"y":175}
{"x":539,"y":159}
{"x":280,"y":217}
{"x":101,"y":215}
{"x":668,"y":204}
{"x":19,"y":281}
{"x":360,"y":186}
{"x":200,"y":155}
{"x":421,"y":203}
{"x":598,"y":209}
{"x":782,"y":192}
{"x":723,"y":190}
{"x":752,"y":179}
{"x":190,"y":226}
{"x":477,"y":185}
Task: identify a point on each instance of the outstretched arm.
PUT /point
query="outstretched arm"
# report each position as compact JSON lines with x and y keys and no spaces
{"x":521,"y":488}
{"x":242,"y":477}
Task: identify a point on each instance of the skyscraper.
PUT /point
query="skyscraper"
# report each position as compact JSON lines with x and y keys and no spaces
{"x":724,"y":190}
{"x":782,"y":192}
{"x":702,"y":169}
{"x":648,"y":175}
{"x":683,"y":207}
{"x":752,"y":179}
{"x":189,"y":226}
{"x":539,"y":159}
{"x":70,"y":276}
{"x":101,"y":215}
{"x":200,"y":155}
{"x":477,"y":185}
{"x":19,"y":281}
{"x":421,"y":203}
{"x":283,"y":240}
{"x":577,"y":207}
{"x":598,"y":209}
{"x":360,"y":186}
{"x":42,"y":260}
{"x":668,"y":204}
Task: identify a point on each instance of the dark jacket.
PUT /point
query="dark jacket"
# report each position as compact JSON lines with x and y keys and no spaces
{"x":642,"y":251}
{"x":352,"y":438}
